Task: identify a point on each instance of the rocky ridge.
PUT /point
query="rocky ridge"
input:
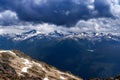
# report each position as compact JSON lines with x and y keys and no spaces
{"x":15,"y":65}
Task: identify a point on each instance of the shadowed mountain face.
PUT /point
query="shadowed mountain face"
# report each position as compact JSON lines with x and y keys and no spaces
{"x":86,"y":56}
{"x":15,"y":65}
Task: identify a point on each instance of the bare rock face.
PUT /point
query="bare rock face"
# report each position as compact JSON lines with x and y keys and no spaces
{"x":15,"y":65}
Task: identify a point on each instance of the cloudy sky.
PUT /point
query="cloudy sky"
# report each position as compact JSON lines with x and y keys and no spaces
{"x":62,"y":15}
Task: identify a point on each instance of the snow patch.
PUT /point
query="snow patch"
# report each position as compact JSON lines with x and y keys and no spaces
{"x":24,"y":69}
{"x":27,"y":65}
{"x":61,"y":77}
{"x":45,"y":78}
{"x":90,"y":50}
{"x":37,"y":64}
{"x":7,"y":51}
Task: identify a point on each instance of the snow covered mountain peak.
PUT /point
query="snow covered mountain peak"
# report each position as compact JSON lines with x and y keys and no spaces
{"x":51,"y":31}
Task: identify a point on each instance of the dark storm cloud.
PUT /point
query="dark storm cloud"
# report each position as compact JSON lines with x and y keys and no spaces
{"x":103,"y":8}
{"x":57,"y":11}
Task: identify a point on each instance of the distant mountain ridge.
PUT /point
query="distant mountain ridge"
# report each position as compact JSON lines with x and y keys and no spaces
{"x":57,"y":48}
{"x":93,"y":36}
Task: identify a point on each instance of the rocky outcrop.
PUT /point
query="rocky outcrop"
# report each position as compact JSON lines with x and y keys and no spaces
{"x":15,"y":65}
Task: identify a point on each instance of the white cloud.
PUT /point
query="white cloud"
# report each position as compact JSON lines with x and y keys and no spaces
{"x":7,"y":17}
{"x":38,"y":2}
{"x":114,"y":7}
{"x":91,"y":7}
{"x":33,"y":2}
{"x":88,"y":3}
{"x":100,"y":25}
{"x":77,"y":1}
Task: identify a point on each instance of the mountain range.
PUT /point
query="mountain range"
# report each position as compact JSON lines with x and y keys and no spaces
{"x":79,"y":53}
